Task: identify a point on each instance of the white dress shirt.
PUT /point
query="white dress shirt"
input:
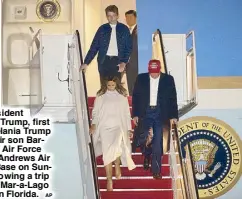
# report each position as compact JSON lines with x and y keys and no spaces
{"x":131,"y":29}
{"x":113,"y":47}
{"x":154,"y":84}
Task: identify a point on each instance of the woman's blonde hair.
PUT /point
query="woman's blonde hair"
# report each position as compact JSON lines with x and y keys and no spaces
{"x":119,"y":87}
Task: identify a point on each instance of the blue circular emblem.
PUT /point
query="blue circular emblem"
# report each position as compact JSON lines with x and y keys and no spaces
{"x":216,"y":152}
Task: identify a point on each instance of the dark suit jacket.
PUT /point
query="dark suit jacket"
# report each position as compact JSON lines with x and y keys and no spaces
{"x":167,"y":96}
{"x":132,"y":66}
{"x":101,"y":41}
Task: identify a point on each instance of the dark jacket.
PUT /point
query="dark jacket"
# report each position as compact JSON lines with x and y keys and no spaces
{"x":101,"y":41}
{"x":133,"y":62}
{"x":167,"y":97}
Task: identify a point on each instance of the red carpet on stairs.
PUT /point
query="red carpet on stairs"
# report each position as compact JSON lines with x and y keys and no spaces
{"x":138,"y":183}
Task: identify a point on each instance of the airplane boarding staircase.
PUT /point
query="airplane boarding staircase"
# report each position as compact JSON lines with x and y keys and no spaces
{"x":178,"y":180}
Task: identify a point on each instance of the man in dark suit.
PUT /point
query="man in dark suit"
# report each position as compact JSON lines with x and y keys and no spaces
{"x":154,"y":101}
{"x":132,"y":66}
{"x":113,"y":43}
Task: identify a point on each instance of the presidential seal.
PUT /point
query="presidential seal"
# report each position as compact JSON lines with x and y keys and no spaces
{"x":216,"y":152}
{"x":48,"y":10}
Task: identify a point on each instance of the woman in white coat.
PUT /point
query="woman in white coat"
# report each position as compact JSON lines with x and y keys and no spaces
{"x":111,"y":128}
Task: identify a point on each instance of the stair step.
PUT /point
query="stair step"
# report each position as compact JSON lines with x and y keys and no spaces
{"x":137,"y":177}
{"x":91,"y":101}
{"x":137,"y":158}
{"x":137,"y":165}
{"x":138,"y":184}
{"x":138,"y":171}
{"x":137,"y":194}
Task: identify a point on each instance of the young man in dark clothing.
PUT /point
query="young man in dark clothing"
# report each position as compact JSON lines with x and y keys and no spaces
{"x":113,"y":43}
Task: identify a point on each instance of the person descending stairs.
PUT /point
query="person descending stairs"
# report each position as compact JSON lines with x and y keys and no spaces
{"x":135,"y":184}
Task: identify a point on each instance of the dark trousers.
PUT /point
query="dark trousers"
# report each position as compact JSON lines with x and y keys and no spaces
{"x":109,"y":68}
{"x":152,"y":120}
{"x":131,"y":73}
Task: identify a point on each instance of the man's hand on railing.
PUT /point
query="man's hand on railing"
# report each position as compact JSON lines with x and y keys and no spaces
{"x":83,"y":67}
{"x":92,"y":129}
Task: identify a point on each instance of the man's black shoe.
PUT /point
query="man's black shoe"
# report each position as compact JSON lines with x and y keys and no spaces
{"x":146,"y":163}
{"x":157,"y":176}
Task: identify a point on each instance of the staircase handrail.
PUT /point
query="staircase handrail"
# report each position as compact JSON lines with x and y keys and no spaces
{"x":91,"y":147}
